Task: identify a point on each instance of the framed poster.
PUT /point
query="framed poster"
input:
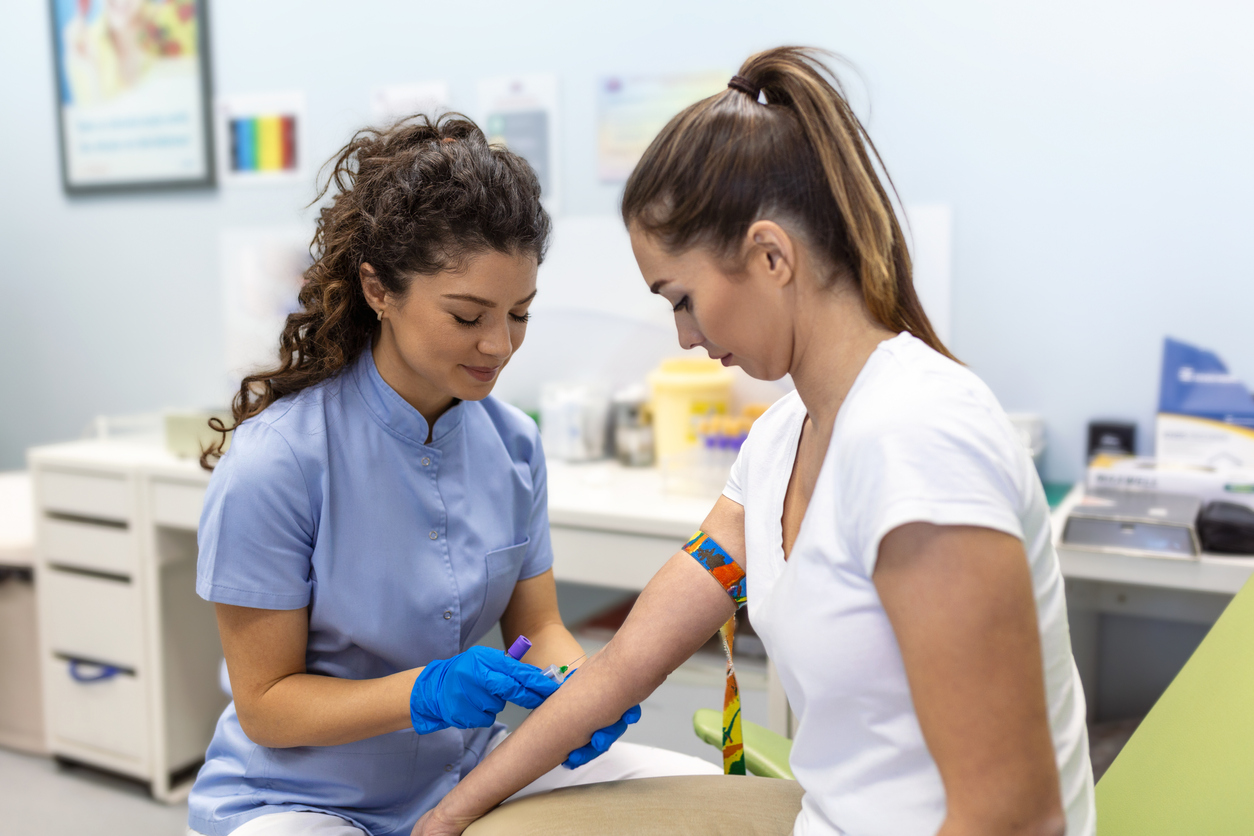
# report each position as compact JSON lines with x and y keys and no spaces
{"x":133,"y":94}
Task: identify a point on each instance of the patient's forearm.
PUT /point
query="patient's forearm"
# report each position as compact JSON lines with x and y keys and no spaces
{"x":676,"y":614}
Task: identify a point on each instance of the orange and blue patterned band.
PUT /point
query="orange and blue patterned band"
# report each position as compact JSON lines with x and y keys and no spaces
{"x":719,"y":564}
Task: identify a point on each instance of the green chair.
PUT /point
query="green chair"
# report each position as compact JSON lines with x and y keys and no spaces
{"x":1189,"y":768}
{"x":766,"y":753}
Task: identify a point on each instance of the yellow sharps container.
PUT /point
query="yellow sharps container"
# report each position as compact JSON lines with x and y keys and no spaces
{"x":685,"y":390}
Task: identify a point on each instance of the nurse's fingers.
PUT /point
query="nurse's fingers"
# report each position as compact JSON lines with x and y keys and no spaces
{"x":507,"y":687}
{"x":603,"y":739}
{"x":481,"y":697}
{"x":466,"y":717}
{"x":523,"y":675}
{"x":581,"y":756}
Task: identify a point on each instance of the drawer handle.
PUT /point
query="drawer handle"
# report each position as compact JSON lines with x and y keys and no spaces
{"x":100,"y":674}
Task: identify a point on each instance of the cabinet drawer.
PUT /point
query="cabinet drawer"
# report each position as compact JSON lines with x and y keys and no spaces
{"x":93,"y":618}
{"x":177,"y":504}
{"x":108,"y":714}
{"x":101,"y":496}
{"x":88,"y":545}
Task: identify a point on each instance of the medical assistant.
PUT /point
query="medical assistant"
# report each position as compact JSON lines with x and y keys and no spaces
{"x":919,"y":438}
{"x":404,"y":552}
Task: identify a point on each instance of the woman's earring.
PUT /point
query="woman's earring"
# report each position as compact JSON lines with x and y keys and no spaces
{"x":380,"y":314}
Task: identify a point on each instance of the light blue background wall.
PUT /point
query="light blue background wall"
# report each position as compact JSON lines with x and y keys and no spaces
{"x":1097,"y":155}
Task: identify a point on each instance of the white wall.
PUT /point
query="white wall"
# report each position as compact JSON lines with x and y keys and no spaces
{"x":1097,"y":156}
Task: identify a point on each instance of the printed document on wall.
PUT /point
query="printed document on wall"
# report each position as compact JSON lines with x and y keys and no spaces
{"x":632,"y":110}
{"x":521,"y":112}
{"x":398,"y":101}
{"x":262,"y":272}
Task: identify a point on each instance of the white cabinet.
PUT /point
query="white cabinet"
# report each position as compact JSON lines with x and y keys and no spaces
{"x":129,"y":653}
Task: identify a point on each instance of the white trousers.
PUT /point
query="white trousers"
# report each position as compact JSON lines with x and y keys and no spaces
{"x":621,"y":762}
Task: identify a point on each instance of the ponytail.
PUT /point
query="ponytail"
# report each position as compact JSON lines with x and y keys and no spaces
{"x":802,"y":157}
{"x":417,"y":198}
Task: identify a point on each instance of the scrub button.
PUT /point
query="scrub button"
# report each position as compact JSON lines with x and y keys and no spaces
{"x":426,"y":461}
{"x":433,"y":535}
{"x":448,"y":614}
{"x":448,"y":767}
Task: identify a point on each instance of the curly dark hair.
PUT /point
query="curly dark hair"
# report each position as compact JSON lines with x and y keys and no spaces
{"x":417,"y":198}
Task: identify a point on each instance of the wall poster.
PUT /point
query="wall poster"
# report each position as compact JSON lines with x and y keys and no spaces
{"x":632,"y":110}
{"x":133,"y":94}
{"x":261,"y":138}
{"x":400,"y":101}
{"x":263,"y":269}
{"x":521,"y":112}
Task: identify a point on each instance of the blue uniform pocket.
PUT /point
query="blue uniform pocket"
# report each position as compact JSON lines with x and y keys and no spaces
{"x":503,"y":568}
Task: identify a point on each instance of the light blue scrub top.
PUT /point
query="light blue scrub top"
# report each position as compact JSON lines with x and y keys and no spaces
{"x":403,"y":552}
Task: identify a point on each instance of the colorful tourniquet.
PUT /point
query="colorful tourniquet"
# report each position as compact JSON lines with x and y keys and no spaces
{"x":733,"y":735}
{"x":719,"y":564}
{"x":732,"y":578}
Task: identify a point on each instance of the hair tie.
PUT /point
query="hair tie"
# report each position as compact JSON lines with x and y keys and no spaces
{"x":745,"y":86}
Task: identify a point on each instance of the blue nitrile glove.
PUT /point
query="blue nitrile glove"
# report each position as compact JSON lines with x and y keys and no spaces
{"x":602,"y":739}
{"x":468,"y":690}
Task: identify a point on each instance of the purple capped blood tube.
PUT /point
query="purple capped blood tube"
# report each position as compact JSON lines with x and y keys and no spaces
{"x":519,"y":648}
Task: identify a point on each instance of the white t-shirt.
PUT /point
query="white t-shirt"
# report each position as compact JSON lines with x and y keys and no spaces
{"x":919,"y":438}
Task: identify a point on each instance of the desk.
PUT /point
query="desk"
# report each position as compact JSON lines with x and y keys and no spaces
{"x":129,"y":653}
{"x":21,"y":706}
{"x":116,"y":523}
{"x":1165,"y":589}
{"x":613,"y":525}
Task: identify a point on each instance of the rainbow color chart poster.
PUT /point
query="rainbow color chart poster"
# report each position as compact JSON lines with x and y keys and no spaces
{"x":263,"y":143}
{"x":260,"y":137}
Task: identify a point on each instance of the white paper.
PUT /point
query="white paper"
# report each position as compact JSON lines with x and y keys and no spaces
{"x":397,"y":101}
{"x":632,"y":110}
{"x":521,"y":112}
{"x":262,"y":271}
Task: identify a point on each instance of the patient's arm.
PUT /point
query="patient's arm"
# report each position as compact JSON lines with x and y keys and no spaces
{"x":677,"y":613}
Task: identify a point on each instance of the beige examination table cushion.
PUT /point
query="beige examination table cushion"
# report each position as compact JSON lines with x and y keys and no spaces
{"x":692,"y":805}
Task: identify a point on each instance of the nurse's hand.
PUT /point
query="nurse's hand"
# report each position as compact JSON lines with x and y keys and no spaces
{"x":602,"y":740}
{"x":433,"y":824}
{"x":468,"y":690}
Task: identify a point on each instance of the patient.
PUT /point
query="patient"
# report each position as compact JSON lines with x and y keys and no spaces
{"x":893,"y":529}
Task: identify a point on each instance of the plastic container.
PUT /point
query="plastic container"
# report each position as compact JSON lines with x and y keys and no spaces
{"x":633,"y":426}
{"x":573,"y":419}
{"x":702,"y":470}
{"x":685,"y":390}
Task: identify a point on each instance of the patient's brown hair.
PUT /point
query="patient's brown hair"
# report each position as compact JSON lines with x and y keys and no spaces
{"x":803,"y":159}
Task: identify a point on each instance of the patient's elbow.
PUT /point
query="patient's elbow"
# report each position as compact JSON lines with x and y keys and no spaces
{"x":1012,"y":819}
{"x":1050,"y":822}
{"x":1054,"y":825}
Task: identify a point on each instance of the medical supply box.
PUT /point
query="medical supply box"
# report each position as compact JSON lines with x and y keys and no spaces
{"x":1146,"y":474}
{"x":1205,"y":415}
